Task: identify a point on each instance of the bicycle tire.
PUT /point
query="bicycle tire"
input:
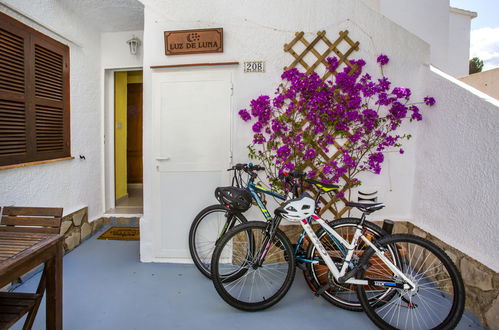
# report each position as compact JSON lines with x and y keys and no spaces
{"x":201,"y":258}
{"x":340,"y":295}
{"x":431,"y":270}
{"x":275,"y":275}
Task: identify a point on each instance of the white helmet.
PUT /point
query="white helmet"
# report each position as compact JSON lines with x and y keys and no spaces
{"x":298,"y":208}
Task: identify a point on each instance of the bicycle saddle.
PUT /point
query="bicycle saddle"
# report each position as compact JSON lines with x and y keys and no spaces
{"x":233,"y":198}
{"x":366,"y":207}
{"x":323,"y":186}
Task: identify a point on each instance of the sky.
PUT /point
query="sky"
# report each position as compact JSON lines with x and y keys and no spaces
{"x":484,"y":40}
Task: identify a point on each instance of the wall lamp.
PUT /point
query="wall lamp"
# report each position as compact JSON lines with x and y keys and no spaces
{"x":134,"y":44}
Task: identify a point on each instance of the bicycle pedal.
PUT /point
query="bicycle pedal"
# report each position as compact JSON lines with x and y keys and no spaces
{"x":322,"y":289}
{"x":301,"y":265}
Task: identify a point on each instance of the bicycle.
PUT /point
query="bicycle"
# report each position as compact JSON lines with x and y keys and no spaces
{"x":402,"y":281}
{"x":343,"y":296}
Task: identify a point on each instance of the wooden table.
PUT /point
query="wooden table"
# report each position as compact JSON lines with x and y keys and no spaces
{"x":20,"y":252}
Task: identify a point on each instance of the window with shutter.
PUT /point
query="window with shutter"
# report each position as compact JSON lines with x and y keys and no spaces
{"x":34,"y":95}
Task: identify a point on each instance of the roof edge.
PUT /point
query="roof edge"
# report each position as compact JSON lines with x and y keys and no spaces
{"x":469,"y":13}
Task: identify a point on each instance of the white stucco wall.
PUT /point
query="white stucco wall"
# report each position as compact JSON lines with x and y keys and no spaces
{"x":459,"y":42}
{"x":428,"y":19}
{"x":115,"y":52}
{"x":457,"y":163}
{"x":446,"y":29}
{"x":249,"y":35}
{"x":71,"y":184}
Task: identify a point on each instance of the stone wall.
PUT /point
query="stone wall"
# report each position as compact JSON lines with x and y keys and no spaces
{"x":76,"y":228}
{"x":481,"y":282}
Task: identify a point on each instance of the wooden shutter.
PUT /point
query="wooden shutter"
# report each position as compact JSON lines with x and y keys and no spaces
{"x":34,"y":95}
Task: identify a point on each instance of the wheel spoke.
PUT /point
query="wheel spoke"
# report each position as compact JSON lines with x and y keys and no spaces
{"x":432,"y":302}
{"x":248,"y":284}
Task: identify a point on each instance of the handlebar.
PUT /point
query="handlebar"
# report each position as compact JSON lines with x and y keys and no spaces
{"x":294,"y":174}
{"x":246,"y":167}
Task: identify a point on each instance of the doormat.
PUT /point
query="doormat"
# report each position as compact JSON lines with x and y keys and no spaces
{"x":121,"y":234}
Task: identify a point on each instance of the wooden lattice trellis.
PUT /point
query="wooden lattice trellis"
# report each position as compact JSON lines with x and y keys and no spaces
{"x":321,"y":63}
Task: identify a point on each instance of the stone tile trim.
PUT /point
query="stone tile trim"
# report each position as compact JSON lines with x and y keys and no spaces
{"x":76,"y":228}
{"x":481,"y":282}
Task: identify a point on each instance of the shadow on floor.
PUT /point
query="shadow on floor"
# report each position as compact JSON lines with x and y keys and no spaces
{"x":106,"y":287}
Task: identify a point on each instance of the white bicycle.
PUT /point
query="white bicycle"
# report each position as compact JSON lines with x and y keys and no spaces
{"x":402,"y":281}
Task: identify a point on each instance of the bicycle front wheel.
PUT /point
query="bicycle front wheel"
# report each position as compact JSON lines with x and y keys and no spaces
{"x":436,"y":301}
{"x":208,"y":226}
{"x":240,"y":279}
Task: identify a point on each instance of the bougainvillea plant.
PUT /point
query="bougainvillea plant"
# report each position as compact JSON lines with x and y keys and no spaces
{"x":307,"y":116}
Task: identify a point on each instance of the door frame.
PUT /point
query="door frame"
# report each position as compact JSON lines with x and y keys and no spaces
{"x":108,"y":152}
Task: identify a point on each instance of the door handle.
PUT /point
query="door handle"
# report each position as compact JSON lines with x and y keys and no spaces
{"x":162,"y":158}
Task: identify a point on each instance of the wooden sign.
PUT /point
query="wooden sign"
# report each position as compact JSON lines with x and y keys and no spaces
{"x":194,"y":41}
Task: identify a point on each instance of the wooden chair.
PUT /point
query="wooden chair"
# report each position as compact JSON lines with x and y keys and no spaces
{"x":14,"y":305}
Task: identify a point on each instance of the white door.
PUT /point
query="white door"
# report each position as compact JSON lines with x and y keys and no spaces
{"x":192,"y":125}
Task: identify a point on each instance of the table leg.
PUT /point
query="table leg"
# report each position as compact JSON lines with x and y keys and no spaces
{"x":54,"y":290}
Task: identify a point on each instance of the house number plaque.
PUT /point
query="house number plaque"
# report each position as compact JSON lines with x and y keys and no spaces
{"x":194,"y":41}
{"x":254,"y":66}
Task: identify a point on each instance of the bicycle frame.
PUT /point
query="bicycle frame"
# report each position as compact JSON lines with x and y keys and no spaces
{"x":305,"y":223}
{"x":255,"y":189}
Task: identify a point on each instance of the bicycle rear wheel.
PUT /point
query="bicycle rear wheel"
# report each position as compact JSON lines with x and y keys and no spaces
{"x":208,"y":226}
{"x":341,"y":295}
{"x":235,"y":273}
{"x":437,"y":301}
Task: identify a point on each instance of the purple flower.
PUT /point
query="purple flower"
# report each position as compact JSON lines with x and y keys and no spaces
{"x":402,"y":93}
{"x":309,"y":154}
{"x":257,"y":127}
{"x":348,"y":161}
{"x":333,"y":63}
{"x":340,"y":194}
{"x":312,"y":173}
{"x":430,"y":101}
{"x":383,"y":84}
{"x":401,"y":151}
{"x":415,"y":113}
{"x":355,"y":137}
{"x":307,"y":116}
{"x":398,"y":111}
{"x":287,"y":167}
{"x":283,"y":152}
{"x":382,"y":59}
{"x":244,"y":114}
{"x":327,"y":169}
{"x":258,"y":139}
{"x":276,"y":126}
{"x":375,"y":161}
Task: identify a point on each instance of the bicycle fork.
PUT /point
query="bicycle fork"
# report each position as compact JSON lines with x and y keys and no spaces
{"x":229,"y":224}
{"x":270,"y":231}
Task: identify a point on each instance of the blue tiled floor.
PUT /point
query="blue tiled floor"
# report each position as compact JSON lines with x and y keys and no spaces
{"x":106,"y":287}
